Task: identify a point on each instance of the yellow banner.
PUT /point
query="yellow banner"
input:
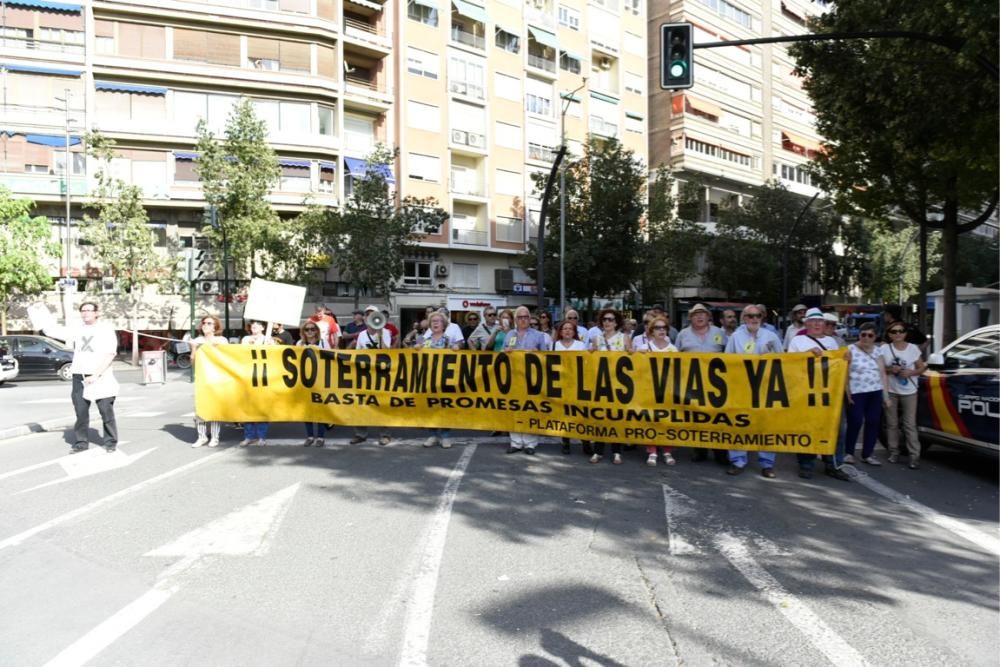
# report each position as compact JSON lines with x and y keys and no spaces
{"x":782,"y":403}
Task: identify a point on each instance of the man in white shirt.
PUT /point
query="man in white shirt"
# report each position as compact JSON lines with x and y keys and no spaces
{"x":94,"y":347}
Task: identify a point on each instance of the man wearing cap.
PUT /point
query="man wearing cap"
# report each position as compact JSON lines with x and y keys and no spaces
{"x":830,"y":323}
{"x":702,"y":336}
{"x":353,"y":328}
{"x":816,"y":341}
{"x":798,"y":312}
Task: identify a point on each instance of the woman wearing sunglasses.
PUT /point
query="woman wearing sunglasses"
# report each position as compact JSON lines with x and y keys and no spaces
{"x":611,"y":339}
{"x":657,"y":340}
{"x":867,"y":392}
{"x":311,"y":337}
{"x":211,"y":330}
{"x":902,"y":366}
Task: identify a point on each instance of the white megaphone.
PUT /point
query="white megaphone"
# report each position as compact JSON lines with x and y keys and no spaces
{"x":375,"y":320}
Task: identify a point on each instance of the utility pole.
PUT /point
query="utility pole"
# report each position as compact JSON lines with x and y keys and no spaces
{"x":562,"y":201}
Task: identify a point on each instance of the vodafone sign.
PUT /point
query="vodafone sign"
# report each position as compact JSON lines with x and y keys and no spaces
{"x":460,"y":303}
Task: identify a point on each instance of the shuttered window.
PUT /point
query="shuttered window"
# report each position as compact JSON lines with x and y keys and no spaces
{"x":208,"y":47}
{"x":326,"y":61}
{"x":326,"y":9}
{"x":294,"y":56}
{"x":142,"y":41}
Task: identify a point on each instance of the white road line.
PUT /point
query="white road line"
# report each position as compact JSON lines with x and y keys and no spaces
{"x":419,"y":613}
{"x":100,"y":502}
{"x":36,"y":466}
{"x":820,"y":635}
{"x":146,"y":414}
{"x":188,"y":414}
{"x":990,"y":543}
{"x":674,"y":507}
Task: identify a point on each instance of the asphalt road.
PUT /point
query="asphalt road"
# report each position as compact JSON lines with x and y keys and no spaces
{"x":365,"y":555}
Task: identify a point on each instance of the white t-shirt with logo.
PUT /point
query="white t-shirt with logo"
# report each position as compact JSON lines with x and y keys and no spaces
{"x":91,"y":345}
{"x":907,"y":359}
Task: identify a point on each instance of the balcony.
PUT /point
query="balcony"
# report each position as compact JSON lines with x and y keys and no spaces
{"x":464,"y":184}
{"x":542,"y":153}
{"x":43,"y":184}
{"x":542,"y":63}
{"x":476,"y":237}
{"x":43,"y":45}
{"x":462,"y":36}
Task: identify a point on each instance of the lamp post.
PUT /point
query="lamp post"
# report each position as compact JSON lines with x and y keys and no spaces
{"x":67,"y":180}
{"x":562,"y":199}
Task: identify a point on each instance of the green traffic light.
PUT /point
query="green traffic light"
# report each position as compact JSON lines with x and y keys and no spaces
{"x":677,"y":69}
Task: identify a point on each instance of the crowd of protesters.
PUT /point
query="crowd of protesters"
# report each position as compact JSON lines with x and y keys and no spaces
{"x":879,"y":401}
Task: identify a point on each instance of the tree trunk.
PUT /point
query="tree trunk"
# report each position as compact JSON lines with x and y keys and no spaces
{"x":949,"y":256}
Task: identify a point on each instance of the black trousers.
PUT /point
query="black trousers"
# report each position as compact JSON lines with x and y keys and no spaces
{"x":105,"y":406}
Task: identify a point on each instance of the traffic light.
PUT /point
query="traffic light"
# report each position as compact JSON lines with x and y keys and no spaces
{"x":676,"y":56}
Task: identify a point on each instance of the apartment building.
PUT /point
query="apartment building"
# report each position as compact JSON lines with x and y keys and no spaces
{"x":747,"y":119}
{"x":472,"y":94}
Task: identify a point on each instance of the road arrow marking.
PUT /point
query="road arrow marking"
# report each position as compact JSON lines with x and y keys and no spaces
{"x":14,"y":540}
{"x":87,"y":464}
{"x":983,"y":540}
{"x":248,"y":531}
{"x":737,"y":550}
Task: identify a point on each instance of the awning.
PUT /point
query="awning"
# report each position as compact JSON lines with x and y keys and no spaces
{"x":805,"y":142}
{"x":129,"y":88}
{"x":575,"y":56}
{"x":328,"y":165}
{"x":51,"y":140}
{"x":359,"y":169}
{"x":293,"y":163}
{"x":42,"y":4}
{"x":604,"y":98}
{"x":570,"y":97}
{"x":186,"y":156}
{"x":469,"y":10}
{"x":431,"y":4}
{"x":544,"y":37}
{"x":374,"y":6}
{"x":41,"y":70}
{"x":506,"y":30}
{"x":703,"y":106}
{"x":633,"y":116}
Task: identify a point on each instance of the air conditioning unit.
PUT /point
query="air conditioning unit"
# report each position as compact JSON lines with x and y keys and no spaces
{"x":441,"y":271}
{"x":208,"y":287}
{"x":477,"y":140}
{"x":109,"y":286}
{"x":604,"y":63}
{"x":459,"y":137}
{"x":503,"y":280}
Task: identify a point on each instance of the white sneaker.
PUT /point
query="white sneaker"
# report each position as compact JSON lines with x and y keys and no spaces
{"x":596,"y":458}
{"x":213,"y":443}
{"x":308,"y":442}
{"x":445,"y":443}
{"x":430,"y":442}
{"x":245,"y":442}
{"x":617,"y":460}
{"x":669,"y":459}
{"x":872,"y":461}
{"x":651,"y":460}
{"x":849,"y":459}
{"x":200,"y":442}
{"x":384,"y":440}
{"x":261,"y":443}
{"x":319,"y":442}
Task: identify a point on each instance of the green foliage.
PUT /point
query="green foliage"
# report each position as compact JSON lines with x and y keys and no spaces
{"x":977,"y":262}
{"x":894,"y":255}
{"x":25,"y":245}
{"x":121,"y":241}
{"x":372,"y":234}
{"x":671,"y":244}
{"x":238,"y":172}
{"x":605,"y":191}
{"x":744,"y":259}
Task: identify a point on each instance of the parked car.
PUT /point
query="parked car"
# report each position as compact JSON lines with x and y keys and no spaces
{"x":9,"y":367}
{"x":40,"y":356}
{"x":959,"y":396}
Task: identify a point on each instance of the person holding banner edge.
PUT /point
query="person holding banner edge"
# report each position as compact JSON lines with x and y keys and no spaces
{"x":752,"y":338}
{"x":255,"y":433}
{"x":523,"y":338}
{"x":211,"y":328}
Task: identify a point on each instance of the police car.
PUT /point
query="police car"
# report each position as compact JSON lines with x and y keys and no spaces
{"x":959,"y":394}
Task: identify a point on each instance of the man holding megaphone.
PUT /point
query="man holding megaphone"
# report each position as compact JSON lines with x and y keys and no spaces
{"x":375,"y":336}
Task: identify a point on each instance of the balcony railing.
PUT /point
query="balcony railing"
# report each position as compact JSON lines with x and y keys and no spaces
{"x":361,"y":82}
{"x":543,"y":153}
{"x":510,"y":232}
{"x":470,"y":89}
{"x":464,"y":37}
{"x":603,"y":127}
{"x":465,"y":186}
{"x":471,"y":237}
{"x":40,"y":45}
{"x":541,"y":63}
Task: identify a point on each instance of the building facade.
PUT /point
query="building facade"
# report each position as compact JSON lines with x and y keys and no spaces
{"x":473,"y":95}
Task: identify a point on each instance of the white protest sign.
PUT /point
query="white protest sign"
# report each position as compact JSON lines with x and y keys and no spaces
{"x":41,"y":317}
{"x":269,"y":301}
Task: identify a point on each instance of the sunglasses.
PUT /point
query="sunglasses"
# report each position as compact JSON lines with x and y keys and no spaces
{"x":659,"y":328}
{"x":897,"y":331}
{"x":310,"y":329}
{"x":522,"y":317}
{"x":753,"y":316}
{"x":473,"y":319}
{"x":607,"y":319}
{"x":572,"y":317}
{"x":490,"y":314}
{"x":867,"y":335}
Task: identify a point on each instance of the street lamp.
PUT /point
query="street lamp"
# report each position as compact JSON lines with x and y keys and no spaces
{"x":562,"y":199}
{"x":67,"y":177}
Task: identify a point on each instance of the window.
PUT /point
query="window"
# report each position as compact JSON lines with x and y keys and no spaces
{"x":510,"y":230}
{"x":466,"y":78}
{"x":727,"y":84}
{"x":569,"y":17}
{"x":295,"y":177}
{"x":36,"y":169}
{"x":729,"y":11}
{"x":538,"y":97}
{"x":184,"y":171}
{"x":507,"y":87}
{"x":327,"y":178}
{"x":423,"y":116}
{"x":207,"y":47}
{"x":719,"y":152}
{"x":422,"y":63}
{"x":465,"y":275}
{"x":416,"y":272}
{"x":326,"y":121}
{"x":510,"y":183}
{"x":79,"y":162}
{"x":422,"y":13}
{"x":542,"y":141}
{"x":508,"y":136}
{"x":569,"y":63}
{"x":507,"y":41}
{"x":359,"y":134}
{"x":633,"y":124}
{"x":468,"y":117}
{"x":424,"y":167}
{"x":974,"y":352}
{"x":634,"y":83}
{"x":105,"y":46}
{"x":633,"y":6}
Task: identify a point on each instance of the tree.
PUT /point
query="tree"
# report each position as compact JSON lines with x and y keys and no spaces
{"x":372,"y":234}
{"x":25,"y":245}
{"x":752,"y":240}
{"x":893,"y":262}
{"x":671,"y":244}
{"x":120,"y":238}
{"x":605,"y":191}
{"x":910,"y":127}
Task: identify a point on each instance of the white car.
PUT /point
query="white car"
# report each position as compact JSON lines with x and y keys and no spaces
{"x":9,"y":367}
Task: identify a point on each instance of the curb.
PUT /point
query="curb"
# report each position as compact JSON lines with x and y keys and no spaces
{"x":55,"y":424}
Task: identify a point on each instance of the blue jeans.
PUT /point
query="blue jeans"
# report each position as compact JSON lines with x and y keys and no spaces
{"x":808,"y":461}
{"x":442,"y":433}
{"x":739,"y":458}
{"x":315,"y":430}
{"x":255,"y":430}
{"x":866,"y":410}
